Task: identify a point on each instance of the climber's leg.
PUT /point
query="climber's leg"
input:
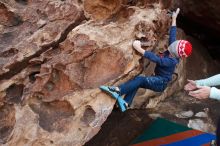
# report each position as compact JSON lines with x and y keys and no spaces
{"x":130,"y":88}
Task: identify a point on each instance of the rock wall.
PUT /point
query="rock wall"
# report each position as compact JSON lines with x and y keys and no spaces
{"x":55,"y":54}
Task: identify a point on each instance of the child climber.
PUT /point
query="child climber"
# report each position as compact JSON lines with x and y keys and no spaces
{"x":165,"y":66}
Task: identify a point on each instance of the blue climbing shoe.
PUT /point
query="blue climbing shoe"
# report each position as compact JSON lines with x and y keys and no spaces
{"x":122,"y":104}
{"x":115,"y":94}
{"x":111,"y":91}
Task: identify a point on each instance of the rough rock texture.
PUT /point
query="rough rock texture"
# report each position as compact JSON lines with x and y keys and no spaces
{"x":55,"y":54}
{"x":32,"y":28}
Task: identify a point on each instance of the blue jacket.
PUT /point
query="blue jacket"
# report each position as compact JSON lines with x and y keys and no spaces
{"x":165,"y":64}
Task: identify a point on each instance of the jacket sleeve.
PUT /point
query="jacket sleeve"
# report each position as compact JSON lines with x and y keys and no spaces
{"x":215,"y":93}
{"x":156,"y":59}
{"x":172,"y":36}
{"x":212,"y":81}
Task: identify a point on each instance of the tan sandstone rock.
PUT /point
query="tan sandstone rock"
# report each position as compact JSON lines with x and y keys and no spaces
{"x":53,"y":59}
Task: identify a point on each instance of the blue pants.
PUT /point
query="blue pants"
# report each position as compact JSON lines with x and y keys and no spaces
{"x":155,"y":83}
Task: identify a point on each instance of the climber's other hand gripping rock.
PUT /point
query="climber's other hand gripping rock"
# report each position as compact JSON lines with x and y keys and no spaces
{"x":137,"y":46}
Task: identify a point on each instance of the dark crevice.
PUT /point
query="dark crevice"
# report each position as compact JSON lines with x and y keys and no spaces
{"x":23,"y":2}
{"x":207,"y":37}
{"x":53,"y":116}
{"x":121,"y":128}
{"x":7,"y":120}
{"x":132,"y":2}
{"x":9,"y":53}
{"x":16,"y":21}
{"x":14,"y":93}
{"x":9,"y":18}
{"x":32,"y":77}
{"x":19,"y":66}
{"x":89,"y":115}
{"x":80,"y":1}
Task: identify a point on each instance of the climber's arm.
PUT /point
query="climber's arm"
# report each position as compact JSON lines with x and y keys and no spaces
{"x":158,"y":60}
{"x":172,"y":37}
{"x":174,"y":16}
{"x":151,"y":56}
{"x":211,"y":81}
{"x":214,"y":93}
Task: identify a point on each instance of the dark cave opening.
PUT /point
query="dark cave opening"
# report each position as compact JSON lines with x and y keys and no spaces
{"x":208,"y":37}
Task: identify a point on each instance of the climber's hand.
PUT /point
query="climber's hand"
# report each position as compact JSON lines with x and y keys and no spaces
{"x":175,"y":14}
{"x":191,"y":85}
{"x":202,"y":92}
{"x":137,"y":46}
